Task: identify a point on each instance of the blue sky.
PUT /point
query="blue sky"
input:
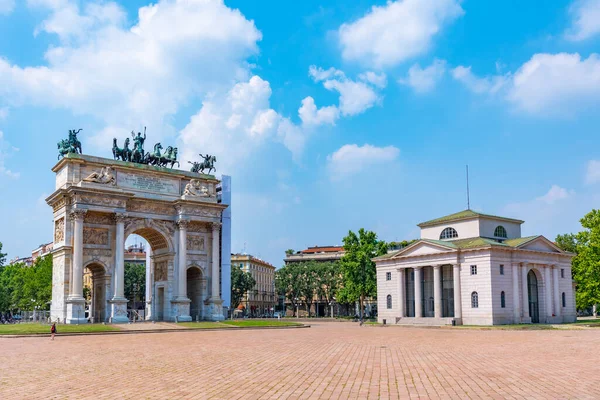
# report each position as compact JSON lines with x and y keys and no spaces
{"x":329,"y":116}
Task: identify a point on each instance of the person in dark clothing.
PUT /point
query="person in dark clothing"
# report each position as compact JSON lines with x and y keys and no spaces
{"x":53,"y":330}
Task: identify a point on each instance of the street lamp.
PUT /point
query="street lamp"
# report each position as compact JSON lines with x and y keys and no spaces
{"x":297,"y":308}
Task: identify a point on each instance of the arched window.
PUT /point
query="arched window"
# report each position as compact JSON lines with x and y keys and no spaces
{"x":449,"y":233}
{"x":500,"y":231}
{"x":564,"y":299}
{"x":474,"y":300}
{"x":502,"y":300}
{"x":389,"y":301}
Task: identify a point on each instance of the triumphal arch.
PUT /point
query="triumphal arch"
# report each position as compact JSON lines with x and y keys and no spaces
{"x":99,"y":202}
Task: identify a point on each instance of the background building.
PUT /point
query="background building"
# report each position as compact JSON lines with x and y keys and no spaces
{"x":475,"y":269}
{"x":315,"y":253}
{"x":261,"y":300}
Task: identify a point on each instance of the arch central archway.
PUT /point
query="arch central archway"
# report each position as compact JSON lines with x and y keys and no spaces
{"x":159,"y":262}
{"x":96,"y":280}
{"x":195,"y":291}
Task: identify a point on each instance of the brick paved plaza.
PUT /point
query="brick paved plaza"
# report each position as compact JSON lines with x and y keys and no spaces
{"x":329,"y":360}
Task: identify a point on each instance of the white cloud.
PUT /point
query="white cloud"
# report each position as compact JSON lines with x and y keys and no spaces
{"x":548,"y":84}
{"x":585,"y":20}
{"x":423,"y":80}
{"x":177,"y":51}
{"x":388,"y":35}
{"x":593,"y":172}
{"x":3,"y":113}
{"x":556,"y":193}
{"x":6,"y":150}
{"x":310,"y":115}
{"x":6,"y":6}
{"x":378,"y":80}
{"x":351,"y":159}
{"x":490,"y":84}
{"x":355,"y":96}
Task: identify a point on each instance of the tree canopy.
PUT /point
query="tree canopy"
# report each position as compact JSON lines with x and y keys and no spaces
{"x":135,"y":283}
{"x":25,"y":287}
{"x":358,"y":269}
{"x":586,"y":263}
{"x":241,"y":283}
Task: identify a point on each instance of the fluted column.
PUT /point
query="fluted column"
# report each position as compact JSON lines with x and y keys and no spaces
{"x":437,"y":291}
{"x":557,"y":297}
{"x":119,"y":302}
{"x":457,"y":293}
{"x":77,"y":277}
{"x":401,"y":296}
{"x":75,"y":301}
{"x":548,"y":290}
{"x":216,"y":227}
{"x":418,"y":293}
{"x":182,"y":253}
{"x":524,"y":294}
{"x":515,"y":282}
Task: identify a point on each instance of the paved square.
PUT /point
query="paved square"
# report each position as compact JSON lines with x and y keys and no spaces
{"x":329,"y":361}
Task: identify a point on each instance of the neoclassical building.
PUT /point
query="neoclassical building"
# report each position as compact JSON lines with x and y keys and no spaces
{"x":98,"y":203}
{"x":475,"y":269}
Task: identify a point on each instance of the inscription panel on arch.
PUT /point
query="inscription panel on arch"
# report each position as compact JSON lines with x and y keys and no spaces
{"x":148,"y":183}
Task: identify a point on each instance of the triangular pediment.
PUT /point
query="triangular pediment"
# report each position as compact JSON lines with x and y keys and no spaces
{"x":540,"y":244}
{"x":423,"y":248}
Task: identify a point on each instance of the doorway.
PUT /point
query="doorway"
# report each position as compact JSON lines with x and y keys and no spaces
{"x":532,"y":290}
{"x":194,"y":292}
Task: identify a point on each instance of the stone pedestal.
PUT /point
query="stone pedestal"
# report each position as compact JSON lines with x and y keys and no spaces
{"x":118,"y":311}
{"x":76,"y":311}
{"x":215,"y":310}
{"x":181,"y":310}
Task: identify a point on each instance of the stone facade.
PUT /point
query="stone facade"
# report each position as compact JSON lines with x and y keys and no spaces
{"x":98,"y":203}
{"x":499,"y":278}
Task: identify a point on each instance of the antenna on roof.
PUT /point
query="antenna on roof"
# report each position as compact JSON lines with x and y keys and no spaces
{"x":468,"y":199}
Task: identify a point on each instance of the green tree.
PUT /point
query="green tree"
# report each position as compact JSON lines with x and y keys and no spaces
{"x":567,"y":242}
{"x":287,"y":283}
{"x":330,"y":281}
{"x":586,"y":263}
{"x":241,"y":283}
{"x":135,"y":283}
{"x":288,"y":252}
{"x":2,"y":256}
{"x":358,"y":268}
{"x":308,"y":281}
{"x":25,"y":287}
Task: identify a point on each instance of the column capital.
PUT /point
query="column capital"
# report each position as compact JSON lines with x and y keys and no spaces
{"x":216,"y":226}
{"x":437,"y":266}
{"x":77,"y":214}
{"x":120,"y":217}
{"x":182,"y":223}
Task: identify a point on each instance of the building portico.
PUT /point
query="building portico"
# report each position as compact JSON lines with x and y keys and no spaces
{"x":484,"y":280}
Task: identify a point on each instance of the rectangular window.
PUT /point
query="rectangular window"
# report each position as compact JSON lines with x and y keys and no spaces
{"x":473,"y":269}
{"x":562,"y":272}
{"x":501,"y":269}
{"x":388,"y":276}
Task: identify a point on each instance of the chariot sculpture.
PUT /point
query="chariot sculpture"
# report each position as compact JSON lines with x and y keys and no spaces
{"x":70,"y":145}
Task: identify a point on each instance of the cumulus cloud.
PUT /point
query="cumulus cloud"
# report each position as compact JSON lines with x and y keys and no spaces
{"x":424,"y":80}
{"x":593,"y":172}
{"x":6,"y":6}
{"x":130,"y":77}
{"x":388,"y":35}
{"x":378,"y":80}
{"x":556,"y":193}
{"x":547,"y":84}
{"x":585,"y":22}
{"x":310,"y":115}
{"x":355,"y":96}
{"x":351,"y":159}
{"x":6,"y":150}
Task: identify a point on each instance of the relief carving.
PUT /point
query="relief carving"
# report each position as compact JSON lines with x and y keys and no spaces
{"x":160,"y":271}
{"x":106,"y":176}
{"x":165,"y":225}
{"x":60,"y":203}
{"x":95,"y":236}
{"x":97,"y":253}
{"x":195,"y":243}
{"x":98,"y":218}
{"x":197,"y":227}
{"x":100,"y":201}
{"x":148,"y":207}
{"x":59,"y":230}
{"x":196,"y":188}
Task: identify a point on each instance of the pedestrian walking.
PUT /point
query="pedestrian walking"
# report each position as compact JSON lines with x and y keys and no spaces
{"x":53,"y":330}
